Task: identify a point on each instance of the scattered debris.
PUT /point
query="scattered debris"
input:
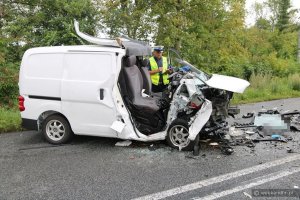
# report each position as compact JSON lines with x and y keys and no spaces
{"x":251,"y":128}
{"x":227,"y":150}
{"x":213,"y":144}
{"x":296,"y":187}
{"x":248,"y":195}
{"x":289,"y":150}
{"x":124,"y":143}
{"x":153,"y":147}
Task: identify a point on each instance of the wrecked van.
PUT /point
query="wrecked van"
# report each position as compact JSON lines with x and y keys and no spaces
{"x":104,"y":90}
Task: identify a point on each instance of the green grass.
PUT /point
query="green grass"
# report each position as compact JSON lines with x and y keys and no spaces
{"x":10,"y":120}
{"x":266,"y":87}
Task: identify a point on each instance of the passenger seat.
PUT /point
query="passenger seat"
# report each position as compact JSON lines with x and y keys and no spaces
{"x":135,"y":84}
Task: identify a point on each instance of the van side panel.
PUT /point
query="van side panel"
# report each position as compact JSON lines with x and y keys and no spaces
{"x":87,"y":92}
{"x":42,"y":75}
{"x":40,"y":85}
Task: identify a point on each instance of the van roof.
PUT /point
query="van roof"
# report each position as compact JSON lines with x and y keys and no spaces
{"x":130,"y":48}
{"x":79,"y":48}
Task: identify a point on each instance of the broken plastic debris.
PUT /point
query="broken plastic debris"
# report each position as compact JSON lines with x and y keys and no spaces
{"x":124,"y":143}
{"x":289,"y":150}
{"x":248,"y":195}
{"x":236,"y":132}
{"x":118,"y":126}
{"x":213,"y":144}
{"x":250,"y":132}
{"x":276,"y":137}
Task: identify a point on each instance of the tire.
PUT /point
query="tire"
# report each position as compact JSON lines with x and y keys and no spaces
{"x":56,"y":130}
{"x":177,"y":135}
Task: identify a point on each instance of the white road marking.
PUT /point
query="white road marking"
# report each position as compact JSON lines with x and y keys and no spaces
{"x":218,"y":179}
{"x":260,"y":181}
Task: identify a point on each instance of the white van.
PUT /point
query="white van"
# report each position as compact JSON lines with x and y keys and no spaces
{"x":105,"y":90}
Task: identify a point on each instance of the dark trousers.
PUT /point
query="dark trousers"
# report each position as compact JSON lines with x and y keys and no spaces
{"x":159,"y":88}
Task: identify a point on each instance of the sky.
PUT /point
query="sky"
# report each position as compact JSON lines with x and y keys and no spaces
{"x":250,"y":19}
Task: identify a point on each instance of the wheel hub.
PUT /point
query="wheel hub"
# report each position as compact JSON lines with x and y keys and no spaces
{"x":179,"y":136}
{"x":55,"y":130}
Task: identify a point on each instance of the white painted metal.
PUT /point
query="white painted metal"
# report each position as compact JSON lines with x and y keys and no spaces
{"x":201,"y":118}
{"x":85,"y":75}
{"x":228,"y":83}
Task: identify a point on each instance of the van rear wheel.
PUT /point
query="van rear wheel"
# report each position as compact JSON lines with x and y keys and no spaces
{"x":56,"y":130}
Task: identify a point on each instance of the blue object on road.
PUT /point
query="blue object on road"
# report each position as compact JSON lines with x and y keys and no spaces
{"x":276,"y":137}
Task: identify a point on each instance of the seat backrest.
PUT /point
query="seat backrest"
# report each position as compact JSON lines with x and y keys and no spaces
{"x":134,"y":79}
{"x":147,"y":85}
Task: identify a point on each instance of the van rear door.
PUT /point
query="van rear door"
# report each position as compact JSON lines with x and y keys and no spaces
{"x":87,"y":92}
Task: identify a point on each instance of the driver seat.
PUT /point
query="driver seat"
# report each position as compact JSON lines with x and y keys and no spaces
{"x":135,"y":83}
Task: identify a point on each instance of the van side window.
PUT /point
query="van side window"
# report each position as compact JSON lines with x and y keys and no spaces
{"x":89,"y":66}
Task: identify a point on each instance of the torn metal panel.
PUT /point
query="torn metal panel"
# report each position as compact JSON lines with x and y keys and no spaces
{"x":200,"y":119}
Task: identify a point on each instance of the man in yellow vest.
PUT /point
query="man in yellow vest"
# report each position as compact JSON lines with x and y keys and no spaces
{"x":158,"y":69}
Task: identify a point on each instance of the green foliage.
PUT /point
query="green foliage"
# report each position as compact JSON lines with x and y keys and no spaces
{"x":267,"y":87}
{"x":294,"y":81}
{"x":10,"y":120}
{"x":8,"y":84}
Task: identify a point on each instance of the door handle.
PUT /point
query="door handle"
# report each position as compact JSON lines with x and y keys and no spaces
{"x":101,"y":94}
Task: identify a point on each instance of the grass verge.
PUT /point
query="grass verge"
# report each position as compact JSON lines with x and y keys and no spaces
{"x":10,"y":120}
{"x":266,"y":87}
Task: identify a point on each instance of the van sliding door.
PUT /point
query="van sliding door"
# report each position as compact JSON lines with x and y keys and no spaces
{"x":87,"y":92}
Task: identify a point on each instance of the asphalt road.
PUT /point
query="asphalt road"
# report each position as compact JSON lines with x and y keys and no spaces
{"x":93,"y":168}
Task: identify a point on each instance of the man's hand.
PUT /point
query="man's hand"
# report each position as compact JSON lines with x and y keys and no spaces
{"x":168,"y":71}
{"x":160,"y":69}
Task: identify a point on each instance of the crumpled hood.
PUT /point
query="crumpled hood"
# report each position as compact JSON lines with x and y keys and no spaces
{"x":228,"y":83}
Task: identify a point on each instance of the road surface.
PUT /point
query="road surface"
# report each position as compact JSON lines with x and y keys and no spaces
{"x":93,"y":168}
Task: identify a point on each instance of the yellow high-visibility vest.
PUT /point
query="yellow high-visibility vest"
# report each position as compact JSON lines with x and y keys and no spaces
{"x":154,"y":66}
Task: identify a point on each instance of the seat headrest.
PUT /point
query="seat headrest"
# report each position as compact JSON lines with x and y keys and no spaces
{"x":130,"y":61}
{"x":145,"y":62}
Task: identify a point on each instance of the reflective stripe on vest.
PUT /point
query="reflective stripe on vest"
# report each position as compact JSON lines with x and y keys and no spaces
{"x":154,"y":66}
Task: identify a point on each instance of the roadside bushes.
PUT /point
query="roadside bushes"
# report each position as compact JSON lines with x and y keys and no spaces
{"x":9,"y":74}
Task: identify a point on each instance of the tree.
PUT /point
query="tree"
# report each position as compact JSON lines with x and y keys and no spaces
{"x":131,"y":18}
{"x":283,"y":15}
{"x":31,"y":23}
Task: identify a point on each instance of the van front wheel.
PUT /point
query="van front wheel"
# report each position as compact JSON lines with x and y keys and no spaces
{"x":56,"y":130}
{"x":177,"y":136}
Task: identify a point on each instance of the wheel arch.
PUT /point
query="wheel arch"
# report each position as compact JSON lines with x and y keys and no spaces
{"x":47,"y":114}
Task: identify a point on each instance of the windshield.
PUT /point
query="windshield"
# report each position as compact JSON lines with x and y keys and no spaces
{"x":200,"y":74}
{"x":176,"y":61}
